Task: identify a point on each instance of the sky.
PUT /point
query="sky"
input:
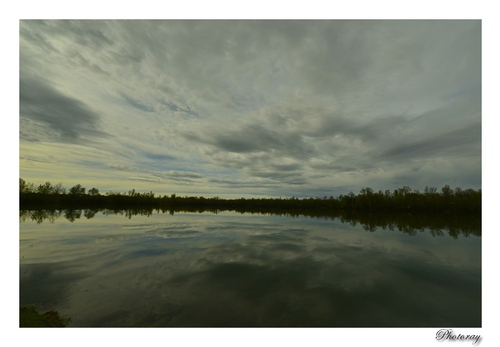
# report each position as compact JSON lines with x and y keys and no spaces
{"x":250,"y":108}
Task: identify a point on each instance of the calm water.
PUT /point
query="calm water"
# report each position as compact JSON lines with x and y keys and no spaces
{"x":230,"y":269}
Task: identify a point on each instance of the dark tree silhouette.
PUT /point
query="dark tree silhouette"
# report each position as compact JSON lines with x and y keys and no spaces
{"x":448,"y":200}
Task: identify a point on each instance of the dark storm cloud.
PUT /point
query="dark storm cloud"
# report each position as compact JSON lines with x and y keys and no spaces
{"x":68,"y":116}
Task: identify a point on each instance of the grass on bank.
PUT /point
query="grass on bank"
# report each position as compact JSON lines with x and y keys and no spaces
{"x":30,"y":317}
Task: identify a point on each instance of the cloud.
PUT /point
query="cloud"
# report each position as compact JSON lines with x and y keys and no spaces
{"x":174,"y":108}
{"x":137,"y":104}
{"x":69,"y":117}
{"x":462,"y":141}
{"x":178,"y":176}
{"x":251,"y":138}
{"x":292,"y":106}
{"x":159,"y":157}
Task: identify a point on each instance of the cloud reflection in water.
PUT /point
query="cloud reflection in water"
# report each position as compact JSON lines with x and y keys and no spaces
{"x":233,"y":270}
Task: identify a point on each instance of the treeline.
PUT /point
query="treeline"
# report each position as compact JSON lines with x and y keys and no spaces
{"x":431,"y":200}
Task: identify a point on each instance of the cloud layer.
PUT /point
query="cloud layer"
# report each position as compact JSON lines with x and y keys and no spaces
{"x":239,"y":108}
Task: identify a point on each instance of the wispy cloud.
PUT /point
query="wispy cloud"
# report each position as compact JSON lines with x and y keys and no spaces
{"x":137,"y":104}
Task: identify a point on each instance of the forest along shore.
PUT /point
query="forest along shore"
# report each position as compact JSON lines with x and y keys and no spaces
{"x":446,"y":201}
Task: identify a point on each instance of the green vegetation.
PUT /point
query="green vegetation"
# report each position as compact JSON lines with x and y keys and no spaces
{"x":30,"y":317}
{"x":446,"y":201}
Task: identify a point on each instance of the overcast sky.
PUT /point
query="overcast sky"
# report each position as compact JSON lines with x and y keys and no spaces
{"x":251,"y":108}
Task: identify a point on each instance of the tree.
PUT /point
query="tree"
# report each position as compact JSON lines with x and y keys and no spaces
{"x":22,"y":185}
{"x":58,"y":189}
{"x":77,"y":190}
{"x":405,"y":190}
{"x":94,"y":191}
{"x":45,"y":188}
{"x":431,"y":190}
{"x":25,"y":187}
{"x":446,"y":190}
{"x":366,"y":191}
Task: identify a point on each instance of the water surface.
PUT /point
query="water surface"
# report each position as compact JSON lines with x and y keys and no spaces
{"x":230,"y":269}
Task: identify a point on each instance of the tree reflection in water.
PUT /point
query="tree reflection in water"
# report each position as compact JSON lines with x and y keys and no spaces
{"x":411,"y":224}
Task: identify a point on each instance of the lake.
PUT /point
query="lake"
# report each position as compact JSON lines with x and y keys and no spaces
{"x":227,"y":269}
